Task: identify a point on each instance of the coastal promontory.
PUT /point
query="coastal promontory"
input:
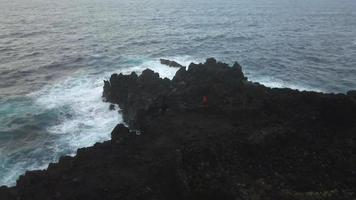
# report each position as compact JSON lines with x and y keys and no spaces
{"x":209,"y":133}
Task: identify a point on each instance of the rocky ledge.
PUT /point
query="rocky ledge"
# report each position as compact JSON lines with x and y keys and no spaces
{"x":209,"y":134}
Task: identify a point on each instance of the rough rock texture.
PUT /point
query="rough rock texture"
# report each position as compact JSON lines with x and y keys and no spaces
{"x":246,"y":141}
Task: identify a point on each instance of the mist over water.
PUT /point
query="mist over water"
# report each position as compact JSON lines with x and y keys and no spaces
{"x":55,"y":54}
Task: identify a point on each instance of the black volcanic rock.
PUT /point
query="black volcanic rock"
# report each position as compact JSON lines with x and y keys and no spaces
{"x":352,"y":93}
{"x":170,"y":63}
{"x":244,"y":141}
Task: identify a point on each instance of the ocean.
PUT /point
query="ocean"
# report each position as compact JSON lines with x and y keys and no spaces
{"x":54,"y":56}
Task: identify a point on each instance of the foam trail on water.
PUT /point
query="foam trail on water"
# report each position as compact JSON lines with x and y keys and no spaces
{"x":275,"y":83}
{"x":85,"y":118}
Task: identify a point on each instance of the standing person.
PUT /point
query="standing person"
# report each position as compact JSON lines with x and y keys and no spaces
{"x":205,"y":101}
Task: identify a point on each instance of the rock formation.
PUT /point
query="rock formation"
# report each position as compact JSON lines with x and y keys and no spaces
{"x":246,"y":141}
{"x":170,"y":63}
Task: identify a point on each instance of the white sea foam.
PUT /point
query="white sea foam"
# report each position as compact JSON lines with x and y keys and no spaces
{"x":86,"y":119}
{"x":83,"y":118}
{"x":276,"y":83}
{"x":163,"y":70}
{"x":11,"y":174}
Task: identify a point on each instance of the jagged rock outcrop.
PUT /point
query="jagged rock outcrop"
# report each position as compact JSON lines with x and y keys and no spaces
{"x":210,"y":134}
{"x":170,"y":63}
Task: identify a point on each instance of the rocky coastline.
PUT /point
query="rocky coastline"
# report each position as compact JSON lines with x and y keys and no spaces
{"x":209,"y":133}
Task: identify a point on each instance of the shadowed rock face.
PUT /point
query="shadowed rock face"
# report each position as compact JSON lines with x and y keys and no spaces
{"x":245,"y":141}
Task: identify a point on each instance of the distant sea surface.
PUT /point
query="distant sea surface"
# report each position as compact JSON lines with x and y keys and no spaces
{"x":55,"y":54}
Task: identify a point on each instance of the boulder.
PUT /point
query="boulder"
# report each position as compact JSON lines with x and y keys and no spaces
{"x":119,"y":133}
{"x":170,"y":63}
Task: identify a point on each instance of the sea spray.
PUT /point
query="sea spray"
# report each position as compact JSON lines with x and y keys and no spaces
{"x":62,"y":117}
{"x":55,"y":121}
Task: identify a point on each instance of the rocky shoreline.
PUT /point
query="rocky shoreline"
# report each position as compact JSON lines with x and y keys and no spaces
{"x":209,"y":133}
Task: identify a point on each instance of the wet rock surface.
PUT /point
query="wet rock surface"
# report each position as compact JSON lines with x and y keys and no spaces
{"x":209,"y":134}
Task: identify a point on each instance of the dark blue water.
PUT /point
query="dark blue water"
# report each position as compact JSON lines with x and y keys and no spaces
{"x":55,"y":54}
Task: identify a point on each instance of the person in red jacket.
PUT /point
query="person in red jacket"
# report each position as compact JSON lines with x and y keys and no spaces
{"x":205,"y":101}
